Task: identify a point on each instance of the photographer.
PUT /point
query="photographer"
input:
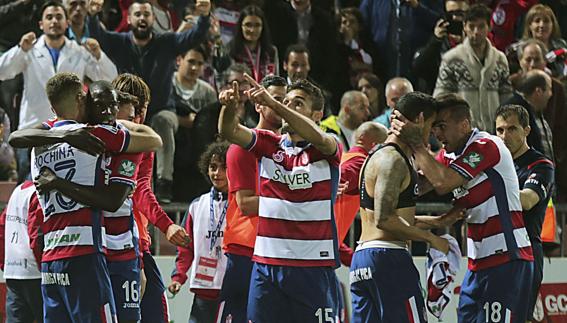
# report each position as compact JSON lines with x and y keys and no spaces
{"x":447,"y":34}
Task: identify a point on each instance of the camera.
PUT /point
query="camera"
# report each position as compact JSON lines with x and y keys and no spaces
{"x":455,"y":27}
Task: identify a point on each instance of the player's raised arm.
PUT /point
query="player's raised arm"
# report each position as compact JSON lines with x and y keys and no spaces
{"x":229,"y":126}
{"x":391,"y":172}
{"x":302,"y":125}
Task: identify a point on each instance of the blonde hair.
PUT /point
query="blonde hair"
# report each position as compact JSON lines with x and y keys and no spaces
{"x":541,"y":10}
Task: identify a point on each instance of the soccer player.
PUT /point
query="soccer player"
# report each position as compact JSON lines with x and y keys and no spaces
{"x":121,"y":241}
{"x":296,"y":247}
{"x":75,"y":279}
{"x":536,"y":179}
{"x":205,"y":222}
{"x":480,"y":171}
{"x":384,"y":281}
{"x":154,"y":306}
{"x":366,"y":137}
{"x":242,"y":214}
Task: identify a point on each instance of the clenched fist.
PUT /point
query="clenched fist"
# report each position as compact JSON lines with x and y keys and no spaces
{"x":27,"y":41}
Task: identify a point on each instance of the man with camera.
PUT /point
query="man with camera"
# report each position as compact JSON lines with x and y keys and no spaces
{"x":448,"y":33}
{"x":476,"y":70}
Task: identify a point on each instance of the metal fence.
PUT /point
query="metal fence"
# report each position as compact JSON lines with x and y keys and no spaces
{"x":177,"y":210}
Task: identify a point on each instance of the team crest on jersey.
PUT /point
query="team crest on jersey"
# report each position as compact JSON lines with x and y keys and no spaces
{"x":473,"y":159}
{"x":127,"y":168}
{"x":278,"y":156}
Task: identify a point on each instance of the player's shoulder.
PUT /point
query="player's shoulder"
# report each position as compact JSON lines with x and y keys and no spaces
{"x":537,"y":159}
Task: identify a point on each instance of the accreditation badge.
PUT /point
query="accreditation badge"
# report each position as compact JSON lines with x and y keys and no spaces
{"x":206,"y":269}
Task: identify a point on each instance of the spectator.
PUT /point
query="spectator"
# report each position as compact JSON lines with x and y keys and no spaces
{"x":204,"y":132}
{"x":77,"y":11}
{"x":541,"y":24}
{"x":448,"y":33}
{"x":148,"y":55}
{"x":166,"y":20}
{"x":189,"y":96}
{"x":398,"y":29}
{"x":354,"y":52}
{"x":395,"y":89}
{"x":476,"y":70}
{"x":39,"y":59}
{"x":300,"y":22}
{"x":506,"y":20}
{"x":252,"y":44}
{"x":534,"y":93}
{"x":297,"y":65}
{"x":354,"y":111}
{"x":370,"y":85}
{"x":531,"y":56}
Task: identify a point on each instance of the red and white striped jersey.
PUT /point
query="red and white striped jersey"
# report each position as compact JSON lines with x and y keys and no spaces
{"x":496,"y":232}
{"x":70,"y":228}
{"x":120,"y":230}
{"x":298,"y":186}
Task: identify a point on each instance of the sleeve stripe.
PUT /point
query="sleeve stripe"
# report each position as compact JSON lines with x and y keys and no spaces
{"x":252,"y":142}
{"x":461,"y":171}
{"x":122,"y":181}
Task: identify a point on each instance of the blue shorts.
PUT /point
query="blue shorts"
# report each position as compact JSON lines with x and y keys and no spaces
{"x":154,"y":305}
{"x":235,"y":285}
{"x":293,"y":294}
{"x":77,"y":290}
{"x":125,"y":279}
{"x":384,"y":286}
{"x":498,"y":294}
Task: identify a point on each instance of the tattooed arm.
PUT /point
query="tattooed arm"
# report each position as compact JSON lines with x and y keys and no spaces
{"x":391,"y":171}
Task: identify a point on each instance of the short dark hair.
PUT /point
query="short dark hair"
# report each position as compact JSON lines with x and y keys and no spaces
{"x":61,"y":86}
{"x":531,"y":82}
{"x":53,"y":3}
{"x":219,"y":149}
{"x":459,"y":108}
{"x":296,"y":48}
{"x":139,"y":2}
{"x":314,"y":93}
{"x":478,"y":11}
{"x":506,"y":111}
{"x":412,"y":104}
{"x":200,"y":48}
{"x":273,"y":80}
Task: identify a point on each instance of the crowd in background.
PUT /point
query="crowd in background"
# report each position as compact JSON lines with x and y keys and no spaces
{"x":382,"y":48}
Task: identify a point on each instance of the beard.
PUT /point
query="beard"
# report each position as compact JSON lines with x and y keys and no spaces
{"x":142,"y":34}
{"x":54,"y":36}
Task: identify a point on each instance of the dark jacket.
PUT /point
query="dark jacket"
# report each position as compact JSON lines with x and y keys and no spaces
{"x":282,"y":21}
{"x":155,"y":62}
{"x":426,"y":63}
